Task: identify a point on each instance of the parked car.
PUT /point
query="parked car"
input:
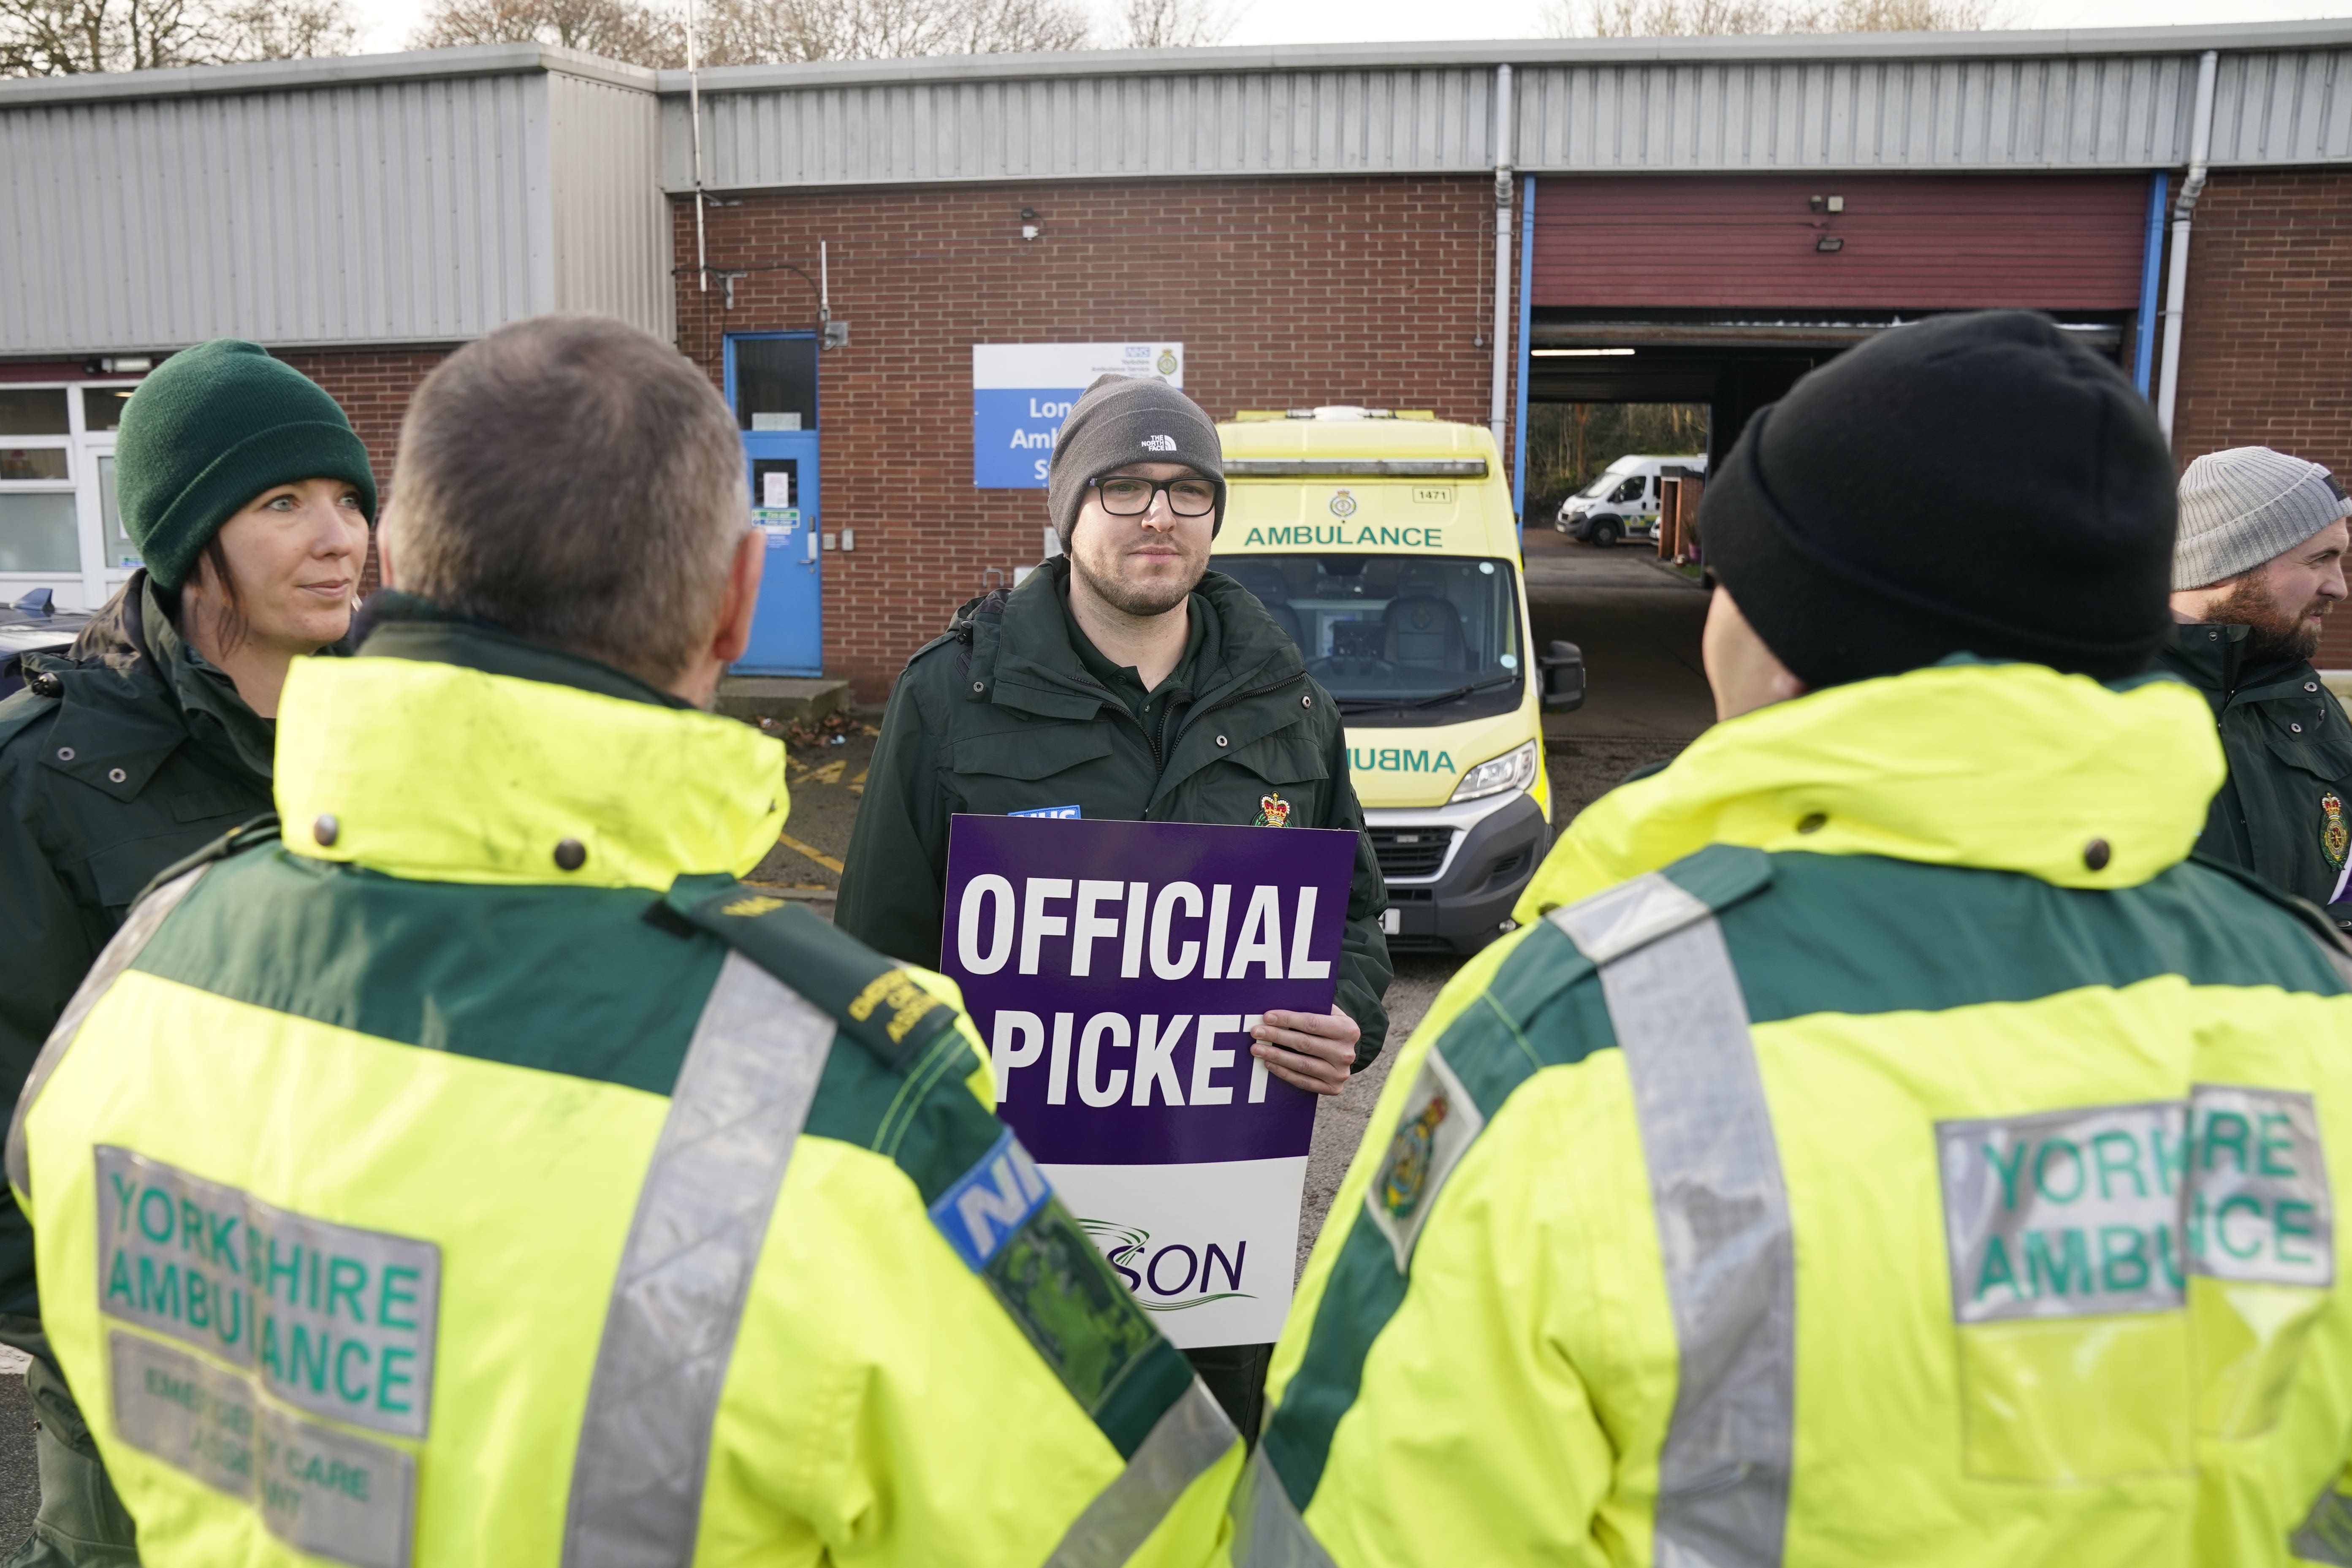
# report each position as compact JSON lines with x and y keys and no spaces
{"x":1622,"y":503}
{"x":33,"y":625}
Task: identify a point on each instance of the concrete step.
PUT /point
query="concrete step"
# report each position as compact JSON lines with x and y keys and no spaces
{"x":783,"y":699}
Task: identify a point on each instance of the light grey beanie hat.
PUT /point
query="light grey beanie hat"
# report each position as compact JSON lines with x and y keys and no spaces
{"x":2243,"y":507}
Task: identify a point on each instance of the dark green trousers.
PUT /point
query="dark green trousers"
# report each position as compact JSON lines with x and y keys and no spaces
{"x":82,"y":1524}
{"x":1235,"y":1375}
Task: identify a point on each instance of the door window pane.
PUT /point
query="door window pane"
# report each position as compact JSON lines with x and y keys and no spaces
{"x":32,"y":411}
{"x":32,"y":462}
{"x":120,"y":550}
{"x":37,"y":533}
{"x":775,"y":384}
{"x":101,"y":406}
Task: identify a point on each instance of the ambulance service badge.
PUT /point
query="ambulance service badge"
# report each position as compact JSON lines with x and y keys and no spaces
{"x":1343,"y":505}
{"x":1273,"y":811}
{"x":2333,"y":836}
{"x":1409,"y":1159}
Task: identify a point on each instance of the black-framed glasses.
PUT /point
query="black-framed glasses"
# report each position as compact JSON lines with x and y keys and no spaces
{"x":1123,"y":495}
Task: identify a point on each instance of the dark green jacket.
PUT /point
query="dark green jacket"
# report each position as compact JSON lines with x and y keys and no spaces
{"x":123,"y":754}
{"x":1000,"y":715}
{"x":2285,"y":812}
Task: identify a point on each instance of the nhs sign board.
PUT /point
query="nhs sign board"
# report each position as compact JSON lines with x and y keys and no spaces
{"x":1021,"y":392}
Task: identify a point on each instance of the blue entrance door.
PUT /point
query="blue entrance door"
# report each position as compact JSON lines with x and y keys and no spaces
{"x":772,"y":381}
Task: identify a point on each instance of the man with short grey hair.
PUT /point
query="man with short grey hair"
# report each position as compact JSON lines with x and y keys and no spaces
{"x":2256,"y":567}
{"x":624,"y":1212}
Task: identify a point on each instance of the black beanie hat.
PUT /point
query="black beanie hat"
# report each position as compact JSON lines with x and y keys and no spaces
{"x":1975,"y":483}
{"x":1126,"y":419}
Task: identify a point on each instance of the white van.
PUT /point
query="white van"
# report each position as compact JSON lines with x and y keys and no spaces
{"x":1622,"y":503}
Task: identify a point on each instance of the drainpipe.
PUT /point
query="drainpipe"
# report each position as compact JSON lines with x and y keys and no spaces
{"x":2175,"y":291}
{"x":693,"y":112}
{"x":1498,"y":413}
{"x":1526,"y":304}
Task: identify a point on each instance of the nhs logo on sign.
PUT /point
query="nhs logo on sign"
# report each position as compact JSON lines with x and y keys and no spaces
{"x":990,"y":1201}
{"x":1021,"y":392}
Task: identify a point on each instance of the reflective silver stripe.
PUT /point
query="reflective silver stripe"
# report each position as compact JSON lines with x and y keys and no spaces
{"x":1190,"y":1437}
{"x":751,"y":1071}
{"x":2325,"y":1534}
{"x":1723,"y":1222}
{"x":1267,"y":1530}
{"x":146,"y":916}
{"x":1614,"y":922}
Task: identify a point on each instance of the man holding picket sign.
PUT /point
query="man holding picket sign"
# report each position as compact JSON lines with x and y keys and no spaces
{"x":1124,"y":681}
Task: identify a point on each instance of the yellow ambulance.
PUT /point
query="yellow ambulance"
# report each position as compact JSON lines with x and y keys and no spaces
{"x":1384,"y":542}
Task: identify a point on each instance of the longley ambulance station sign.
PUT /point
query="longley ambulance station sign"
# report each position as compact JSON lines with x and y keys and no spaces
{"x":1116,"y":970}
{"x":1021,"y":392}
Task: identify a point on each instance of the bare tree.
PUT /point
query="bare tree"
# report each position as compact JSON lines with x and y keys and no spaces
{"x":1176,"y":24}
{"x":627,"y":30}
{"x":743,"y":32}
{"x":65,"y":37}
{"x":1710,"y":18}
{"x":288,"y":29}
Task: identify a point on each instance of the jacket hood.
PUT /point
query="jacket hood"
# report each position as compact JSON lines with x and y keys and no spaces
{"x":2007,"y":767}
{"x":437,"y":761}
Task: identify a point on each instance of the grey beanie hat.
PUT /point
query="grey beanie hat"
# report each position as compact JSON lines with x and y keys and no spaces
{"x":2245,"y":506}
{"x":1126,"y":419}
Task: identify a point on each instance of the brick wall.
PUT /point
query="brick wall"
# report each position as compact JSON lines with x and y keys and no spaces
{"x":374,"y":387}
{"x":1285,"y":293}
{"x":2266,"y":348}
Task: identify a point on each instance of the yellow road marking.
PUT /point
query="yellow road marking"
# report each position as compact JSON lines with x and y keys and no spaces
{"x":812,"y":851}
{"x":829,"y":774}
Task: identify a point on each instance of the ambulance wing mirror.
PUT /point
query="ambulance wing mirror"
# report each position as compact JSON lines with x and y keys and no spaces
{"x":1563,"y":678}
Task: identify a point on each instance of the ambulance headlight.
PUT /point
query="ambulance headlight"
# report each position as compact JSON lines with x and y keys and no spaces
{"x":1514,"y":770}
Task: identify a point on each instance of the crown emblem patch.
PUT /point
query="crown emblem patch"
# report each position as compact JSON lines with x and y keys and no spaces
{"x":1410,"y":1158}
{"x":2333,"y":836}
{"x":1273,"y":811}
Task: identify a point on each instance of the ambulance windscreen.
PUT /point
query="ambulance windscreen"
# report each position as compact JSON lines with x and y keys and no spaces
{"x":1412,"y":638}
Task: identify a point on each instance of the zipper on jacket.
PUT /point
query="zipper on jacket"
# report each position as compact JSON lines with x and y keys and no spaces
{"x":1156,"y":737}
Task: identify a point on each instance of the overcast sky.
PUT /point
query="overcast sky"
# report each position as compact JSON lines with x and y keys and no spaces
{"x":387,"y":23}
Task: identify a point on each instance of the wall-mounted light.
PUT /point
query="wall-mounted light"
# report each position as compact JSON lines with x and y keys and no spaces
{"x":1829,"y":242}
{"x":122,"y":365}
{"x":1029,"y":229}
{"x":1579,"y":354}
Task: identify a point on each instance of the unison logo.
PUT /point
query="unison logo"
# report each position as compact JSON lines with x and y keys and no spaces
{"x":1163,"y":1278}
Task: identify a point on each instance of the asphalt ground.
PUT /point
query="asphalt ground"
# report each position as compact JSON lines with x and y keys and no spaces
{"x":1638,"y":624}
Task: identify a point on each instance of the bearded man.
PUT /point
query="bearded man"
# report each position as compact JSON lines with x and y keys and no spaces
{"x":1124,"y":679}
{"x":2256,"y":567}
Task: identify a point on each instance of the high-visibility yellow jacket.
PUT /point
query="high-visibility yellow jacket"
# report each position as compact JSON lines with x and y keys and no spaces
{"x":1881,"y":1146}
{"x":482,"y":1176}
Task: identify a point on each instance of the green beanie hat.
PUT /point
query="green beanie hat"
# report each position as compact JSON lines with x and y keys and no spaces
{"x":213,"y":427}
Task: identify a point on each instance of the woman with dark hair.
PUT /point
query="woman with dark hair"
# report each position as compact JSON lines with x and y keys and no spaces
{"x":249,"y":498}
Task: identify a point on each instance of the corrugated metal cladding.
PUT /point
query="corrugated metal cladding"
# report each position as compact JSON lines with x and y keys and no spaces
{"x":2059,"y":111}
{"x":2071,"y":113}
{"x":399,"y":211}
{"x":1262,"y":123}
{"x":2285,"y":106}
{"x":2052,"y":242}
{"x":612,"y":221}
{"x":426,"y":209}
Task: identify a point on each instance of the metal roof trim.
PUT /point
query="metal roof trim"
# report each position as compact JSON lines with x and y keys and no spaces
{"x":346,"y":70}
{"x":1356,"y":467}
{"x":1826,"y":48}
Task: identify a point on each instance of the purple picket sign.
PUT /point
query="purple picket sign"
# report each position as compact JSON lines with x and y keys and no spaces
{"x":1111,"y":965}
